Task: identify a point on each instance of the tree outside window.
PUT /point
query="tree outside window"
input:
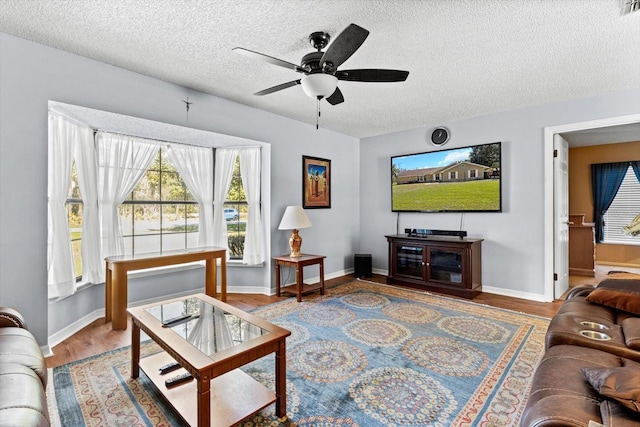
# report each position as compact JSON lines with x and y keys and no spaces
{"x":160,"y":214}
{"x":74,"y":214}
{"x":236,"y":213}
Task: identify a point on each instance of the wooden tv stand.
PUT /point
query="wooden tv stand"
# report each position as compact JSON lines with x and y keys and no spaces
{"x":449,"y":265}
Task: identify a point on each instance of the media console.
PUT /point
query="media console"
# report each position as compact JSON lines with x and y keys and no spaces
{"x":445,"y":264}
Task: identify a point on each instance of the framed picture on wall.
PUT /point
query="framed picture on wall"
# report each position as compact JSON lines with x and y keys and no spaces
{"x":316,"y":183}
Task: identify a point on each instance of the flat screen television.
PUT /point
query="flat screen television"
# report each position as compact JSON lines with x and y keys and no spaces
{"x":463,"y":179}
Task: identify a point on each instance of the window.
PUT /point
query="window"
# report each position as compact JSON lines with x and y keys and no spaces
{"x":473,"y":173}
{"x":235,"y":213}
{"x":74,"y":216}
{"x":624,"y":208}
{"x":453,"y":175}
{"x":160,"y":214}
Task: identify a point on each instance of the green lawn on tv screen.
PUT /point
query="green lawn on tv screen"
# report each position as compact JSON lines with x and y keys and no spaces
{"x":450,"y":196}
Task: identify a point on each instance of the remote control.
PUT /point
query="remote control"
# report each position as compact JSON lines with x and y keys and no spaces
{"x":169,"y":367}
{"x":178,"y":379}
{"x":174,"y":320}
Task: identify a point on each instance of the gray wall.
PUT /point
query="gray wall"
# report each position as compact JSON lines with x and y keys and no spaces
{"x":32,"y":74}
{"x":514,"y":246}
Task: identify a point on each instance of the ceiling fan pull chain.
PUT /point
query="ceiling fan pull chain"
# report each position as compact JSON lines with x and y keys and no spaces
{"x":318,"y":116}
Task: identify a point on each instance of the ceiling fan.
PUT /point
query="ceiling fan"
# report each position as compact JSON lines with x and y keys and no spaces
{"x":320,"y":69}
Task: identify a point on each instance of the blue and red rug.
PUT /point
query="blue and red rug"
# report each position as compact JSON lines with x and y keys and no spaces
{"x":363,"y":355}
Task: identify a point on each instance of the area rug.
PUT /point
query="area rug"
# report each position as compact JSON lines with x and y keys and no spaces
{"x":363,"y":355}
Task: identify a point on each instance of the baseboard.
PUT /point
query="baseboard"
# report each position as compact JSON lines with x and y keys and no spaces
{"x":71,"y":329}
{"x":380,"y":271}
{"x":514,"y":294}
{"x":617,"y":264}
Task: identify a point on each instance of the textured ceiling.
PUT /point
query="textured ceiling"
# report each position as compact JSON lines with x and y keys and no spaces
{"x":466,"y":58}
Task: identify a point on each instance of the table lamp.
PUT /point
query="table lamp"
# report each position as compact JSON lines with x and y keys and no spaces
{"x":294,"y":218}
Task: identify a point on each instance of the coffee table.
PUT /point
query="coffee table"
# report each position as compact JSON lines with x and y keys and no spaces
{"x":211,"y":343}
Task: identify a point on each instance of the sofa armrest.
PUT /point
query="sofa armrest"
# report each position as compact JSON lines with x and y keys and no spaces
{"x":11,"y":318}
{"x":631,"y":331}
{"x":580,"y":291}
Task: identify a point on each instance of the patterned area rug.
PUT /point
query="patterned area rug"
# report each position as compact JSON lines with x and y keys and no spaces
{"x":365,"y":354}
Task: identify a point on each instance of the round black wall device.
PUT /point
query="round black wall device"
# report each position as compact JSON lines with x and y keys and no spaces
{"x":439,"y":136}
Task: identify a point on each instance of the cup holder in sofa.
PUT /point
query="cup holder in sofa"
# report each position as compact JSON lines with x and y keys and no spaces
{"x":593,"y":325}
{"x":595,"y":335}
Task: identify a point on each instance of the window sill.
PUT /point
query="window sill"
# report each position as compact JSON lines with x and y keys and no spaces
{"x":620,"y":242}
{"x":81,"y":286}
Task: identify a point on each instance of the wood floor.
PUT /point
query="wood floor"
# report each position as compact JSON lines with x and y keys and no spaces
{"x":601,"y":271}
{"x":98,"y":336}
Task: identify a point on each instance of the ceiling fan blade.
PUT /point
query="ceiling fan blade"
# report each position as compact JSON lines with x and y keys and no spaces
{"x":277,"y":88}
{"x":343,"y":46}
{"x":372,"y":75}
{"x":266,"y":58}
{"x":336,"y":97}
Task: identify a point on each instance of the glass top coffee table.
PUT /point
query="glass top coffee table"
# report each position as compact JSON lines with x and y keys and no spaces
{"x":210,"y":340}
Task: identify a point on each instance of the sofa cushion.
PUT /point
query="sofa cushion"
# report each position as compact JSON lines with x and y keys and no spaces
{"x":619,"y":383}
{"x":22,"y":397}
{"x":619,"y":290}
{"x":19,"y":346}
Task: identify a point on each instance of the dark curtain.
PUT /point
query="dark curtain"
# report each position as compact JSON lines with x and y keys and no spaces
{"x":605,"y":182}
{"x":636,"y":168}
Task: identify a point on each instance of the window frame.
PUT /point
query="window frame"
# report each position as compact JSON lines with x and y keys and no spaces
{"x":628,"y":193}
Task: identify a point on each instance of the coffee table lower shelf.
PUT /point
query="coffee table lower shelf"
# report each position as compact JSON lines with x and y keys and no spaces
{"x":235,"y":395}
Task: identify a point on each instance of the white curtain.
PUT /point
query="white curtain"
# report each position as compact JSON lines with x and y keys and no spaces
{"x":225,"y":160}
{"x":195,"y":166}
{"x":211,"y":332}
{"x":87,"y":169}
{"x":61,"y":278}
{"x":250,"y":173}
{"x":123,"y":161}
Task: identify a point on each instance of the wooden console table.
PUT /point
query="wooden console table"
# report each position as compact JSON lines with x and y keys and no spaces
{"x":582,"y":246}
{"x":117,"y":267}
{"x":299,"y":263}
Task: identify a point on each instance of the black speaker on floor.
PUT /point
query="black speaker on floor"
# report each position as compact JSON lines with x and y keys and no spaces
{"x":362,"y":265}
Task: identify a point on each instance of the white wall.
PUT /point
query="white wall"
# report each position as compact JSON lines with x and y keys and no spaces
{"x":32,"y":74}
{"x":514,"y":240}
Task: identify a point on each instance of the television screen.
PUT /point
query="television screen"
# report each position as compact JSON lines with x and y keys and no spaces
{"x":457,"y":180}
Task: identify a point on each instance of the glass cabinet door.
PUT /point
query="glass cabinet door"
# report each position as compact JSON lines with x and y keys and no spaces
{"x":409,"y":260}
{"x":445,"y":265}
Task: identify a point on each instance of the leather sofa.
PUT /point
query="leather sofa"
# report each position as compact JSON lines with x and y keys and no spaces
{"x":590,"y":373}
{"x":23,"y":374}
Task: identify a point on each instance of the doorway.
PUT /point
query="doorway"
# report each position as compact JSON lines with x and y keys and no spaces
{"x":595,"y":132}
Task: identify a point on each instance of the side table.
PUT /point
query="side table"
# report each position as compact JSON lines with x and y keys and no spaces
{"x":299,"y":263}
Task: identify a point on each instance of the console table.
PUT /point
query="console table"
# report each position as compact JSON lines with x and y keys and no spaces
{"x":449,"y":265}
{"x":299,"y":263}
{"x":117,"y":267}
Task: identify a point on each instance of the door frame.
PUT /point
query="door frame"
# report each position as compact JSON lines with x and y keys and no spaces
{"x":549,"y":186}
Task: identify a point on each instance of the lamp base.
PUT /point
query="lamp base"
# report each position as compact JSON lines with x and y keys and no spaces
{"x":295,"y":241}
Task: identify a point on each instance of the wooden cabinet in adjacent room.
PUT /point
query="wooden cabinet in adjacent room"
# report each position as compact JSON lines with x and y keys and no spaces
{"x":582,"y":247}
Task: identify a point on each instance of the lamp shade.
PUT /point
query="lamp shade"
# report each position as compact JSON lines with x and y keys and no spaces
{"x":294,"y":218}
{"x":319,"y":85}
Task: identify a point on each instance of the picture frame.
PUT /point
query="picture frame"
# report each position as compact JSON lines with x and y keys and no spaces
{"x":316,"y":183}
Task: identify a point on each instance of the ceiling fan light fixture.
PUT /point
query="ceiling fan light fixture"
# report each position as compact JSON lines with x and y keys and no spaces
{"x":319,"y":85}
